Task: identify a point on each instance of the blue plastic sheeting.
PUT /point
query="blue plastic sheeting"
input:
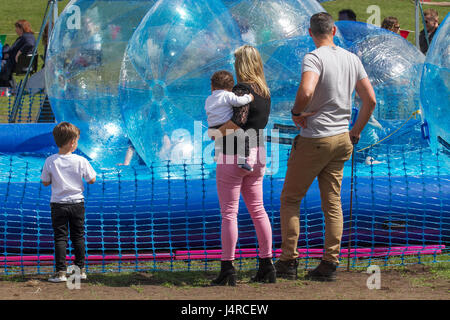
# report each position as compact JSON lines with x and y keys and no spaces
{"x":27,"y":137}
{"x":435,"y":88}
{"x":83,"y":69}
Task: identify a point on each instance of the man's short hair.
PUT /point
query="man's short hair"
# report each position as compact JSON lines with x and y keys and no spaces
{"x":321,"y":24}
{"x":351,"y":15}
{"x":222,"y":80}
{"x":65,"y":132}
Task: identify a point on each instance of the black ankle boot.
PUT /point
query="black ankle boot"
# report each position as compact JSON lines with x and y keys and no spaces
{"x":287,"y":269}
{"x":325,"y":271}
{"x":266,"y":271}
{"x":226,"y":276}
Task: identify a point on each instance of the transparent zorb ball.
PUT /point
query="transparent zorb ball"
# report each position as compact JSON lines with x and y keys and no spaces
{"x":165,"y":77}
{"x":82,"y":72}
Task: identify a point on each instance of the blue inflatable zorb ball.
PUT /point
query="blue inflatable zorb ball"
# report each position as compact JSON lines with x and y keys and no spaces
{"x":179,"y":45}
{"x":435,"y":89}
{"x":279,"y":30}
{"x":392,"y":64}
{"x":83,"y":68}
{"x":165,"y":77}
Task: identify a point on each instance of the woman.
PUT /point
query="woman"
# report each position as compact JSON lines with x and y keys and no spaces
{"x":391,"y":24}
{"x":24,"y":44}
{"x":232,"y":180}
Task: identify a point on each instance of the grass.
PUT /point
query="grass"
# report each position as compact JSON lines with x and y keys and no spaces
{"x":175,"y":274}
{"x":31,"y":10}
{"x":27,"y":113}
{"x":404,"y":10}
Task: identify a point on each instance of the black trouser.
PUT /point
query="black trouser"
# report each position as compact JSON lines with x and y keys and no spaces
{"x":65,"y":217}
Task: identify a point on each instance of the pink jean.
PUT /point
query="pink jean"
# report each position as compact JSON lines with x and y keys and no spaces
{"x":231,"y":182}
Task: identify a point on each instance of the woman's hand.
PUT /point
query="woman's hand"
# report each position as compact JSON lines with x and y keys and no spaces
{"x":300,"y":121}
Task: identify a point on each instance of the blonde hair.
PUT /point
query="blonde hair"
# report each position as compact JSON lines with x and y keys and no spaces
{"x":249,"y":68}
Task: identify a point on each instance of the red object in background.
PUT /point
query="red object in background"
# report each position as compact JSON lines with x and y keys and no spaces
{"x":114,"y":31}
{"x":404,"y":33}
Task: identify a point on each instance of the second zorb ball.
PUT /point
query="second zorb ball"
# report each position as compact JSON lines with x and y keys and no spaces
{"x":165,"y":77}
{"x":82,"y":72}
{"x":393,"y":65}
{"x":279,"y":30}
{"x":435,"y":89}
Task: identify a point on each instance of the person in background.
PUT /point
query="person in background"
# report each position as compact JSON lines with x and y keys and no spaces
{"x":24,"y":44}
{"x":347,"y":14}
{"x":391,"y":24}
{"x":431,"y":24}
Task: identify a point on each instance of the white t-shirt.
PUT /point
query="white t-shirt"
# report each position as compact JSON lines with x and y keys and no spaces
{"x":219,"y":106}
{"x":338,"y":71}
{"x":66,"y":173}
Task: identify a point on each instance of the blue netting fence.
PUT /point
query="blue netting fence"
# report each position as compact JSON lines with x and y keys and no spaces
{"x":138,"y":221}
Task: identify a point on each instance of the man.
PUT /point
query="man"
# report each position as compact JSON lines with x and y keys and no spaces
{"x":322,"y":110}
{"x":347,"y":14}
{"x":431,"y":24}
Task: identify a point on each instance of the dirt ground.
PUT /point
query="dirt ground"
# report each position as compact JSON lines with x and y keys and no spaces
{"x":414,"y":282}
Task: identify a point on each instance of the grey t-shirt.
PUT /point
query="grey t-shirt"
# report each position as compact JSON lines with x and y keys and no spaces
{"x":338,"y":71}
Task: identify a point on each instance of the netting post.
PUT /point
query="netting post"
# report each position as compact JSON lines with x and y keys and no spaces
{"x":186,"y":215}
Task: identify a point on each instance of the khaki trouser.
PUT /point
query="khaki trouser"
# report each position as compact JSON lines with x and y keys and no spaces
{"x":323,"y":158}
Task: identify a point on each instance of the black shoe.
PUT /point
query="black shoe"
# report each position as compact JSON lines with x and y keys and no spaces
{"x":266,"y":271}
{"x":226,"y":276}
{"x":325,"y":271}
{"x":287,"y":269}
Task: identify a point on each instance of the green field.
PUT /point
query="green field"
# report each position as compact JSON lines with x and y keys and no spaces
{"x":404,"y":10}
{"x":33,"y":11}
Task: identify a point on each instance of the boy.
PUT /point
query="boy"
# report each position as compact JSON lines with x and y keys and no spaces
{"x":219,"y":105}
{"x":65,"y":171}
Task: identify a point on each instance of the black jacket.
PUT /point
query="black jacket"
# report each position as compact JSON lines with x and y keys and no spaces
{"x":25,"y":44}
{"x":423,"y":41}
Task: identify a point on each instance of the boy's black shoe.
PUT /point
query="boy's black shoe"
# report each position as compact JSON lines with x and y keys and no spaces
{"x":287,"y":269}
{"x":325,"y":271}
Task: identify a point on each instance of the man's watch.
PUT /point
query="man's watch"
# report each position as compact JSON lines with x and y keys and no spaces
{"x":296,"y":114}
